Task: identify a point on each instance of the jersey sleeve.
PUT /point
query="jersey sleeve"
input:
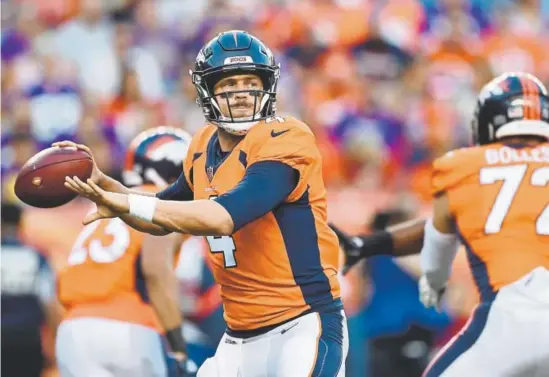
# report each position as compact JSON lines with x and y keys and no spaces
{"x":265,"y":185}
{"x":452,"y":169}
{"x":188,"y":168}
{"x":179,"y":190}
{"x":295,"y":147}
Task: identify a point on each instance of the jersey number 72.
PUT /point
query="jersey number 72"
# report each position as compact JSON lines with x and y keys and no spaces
{"x":512,"y":177}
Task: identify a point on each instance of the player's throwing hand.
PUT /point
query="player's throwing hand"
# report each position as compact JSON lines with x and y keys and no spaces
{"x":109,"y":204}
{"x":97,"y":175}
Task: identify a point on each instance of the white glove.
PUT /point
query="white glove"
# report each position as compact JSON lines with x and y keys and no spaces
{"x":428,"y":296}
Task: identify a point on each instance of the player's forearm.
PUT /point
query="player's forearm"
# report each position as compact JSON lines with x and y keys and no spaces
{"x":163,"y":294}
{"x":198,"y":217}
{"x":110,"y":184}
{"x":143,"y":226}
{"x":407,"y":237}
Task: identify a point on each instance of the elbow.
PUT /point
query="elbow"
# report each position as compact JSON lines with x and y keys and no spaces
{"x":225,"y":227}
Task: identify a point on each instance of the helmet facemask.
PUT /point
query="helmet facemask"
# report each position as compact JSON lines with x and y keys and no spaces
{"x":264,"y":99}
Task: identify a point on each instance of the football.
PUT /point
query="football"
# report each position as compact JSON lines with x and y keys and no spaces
{"x":40,"y":183}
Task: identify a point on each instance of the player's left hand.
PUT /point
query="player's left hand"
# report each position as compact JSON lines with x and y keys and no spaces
{"x":179,"y":365}
{"x":429,"y":296}
{"x":109,"y":204}
{"x":351,"y":245}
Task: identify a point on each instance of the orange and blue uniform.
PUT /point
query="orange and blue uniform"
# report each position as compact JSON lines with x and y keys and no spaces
{"x":103,"y":290}
{"x":499,"y":197}
{"x":281,"y":261}
{"x":103,"y":276}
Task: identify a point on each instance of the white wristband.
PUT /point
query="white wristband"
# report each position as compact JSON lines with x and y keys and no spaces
{"x":142,"y":207}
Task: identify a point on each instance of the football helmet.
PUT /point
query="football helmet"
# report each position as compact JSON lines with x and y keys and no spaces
{"x":513,"y":104}
{"x":231,"y":53}
{"x":156,"y":156}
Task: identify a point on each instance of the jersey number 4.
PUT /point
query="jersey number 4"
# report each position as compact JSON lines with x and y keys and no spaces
{"x":512,"y":177}
{"x":225,"y":245}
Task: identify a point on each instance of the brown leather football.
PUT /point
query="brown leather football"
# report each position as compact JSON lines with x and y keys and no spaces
{"x":40,"y":183}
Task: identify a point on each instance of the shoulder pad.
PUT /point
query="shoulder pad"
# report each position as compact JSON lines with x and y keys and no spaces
{"x":452,"y":168}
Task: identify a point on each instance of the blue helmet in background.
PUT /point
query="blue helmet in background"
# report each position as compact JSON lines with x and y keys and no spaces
{"x":230,"y":53}
{"x":156,"y":156}
{"x":512,"y":104}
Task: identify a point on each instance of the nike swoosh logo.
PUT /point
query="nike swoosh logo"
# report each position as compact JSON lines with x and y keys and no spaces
{"x":289,"y":328}
{"x":275,"y":134}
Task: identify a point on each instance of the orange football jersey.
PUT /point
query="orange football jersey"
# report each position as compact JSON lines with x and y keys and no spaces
{"x":499,"y":198}
{"x":103,"y":275}
{"x":285,"y":262}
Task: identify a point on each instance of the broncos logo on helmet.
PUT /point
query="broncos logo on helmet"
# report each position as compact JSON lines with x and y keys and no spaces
{"x":512,"y":104}
{"x":156,"y":157}
{"x":235,"y":52}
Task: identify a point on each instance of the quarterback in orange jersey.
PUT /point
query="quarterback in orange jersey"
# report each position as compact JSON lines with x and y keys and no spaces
{"x":494,"y":198}
{"x":119,"y":288}
{"x":252,"y":184}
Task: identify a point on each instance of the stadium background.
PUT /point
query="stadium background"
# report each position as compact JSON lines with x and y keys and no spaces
{"x":386,"y":86}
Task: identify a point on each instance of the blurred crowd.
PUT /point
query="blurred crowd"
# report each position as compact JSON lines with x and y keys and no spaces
{"x":386,"y":85}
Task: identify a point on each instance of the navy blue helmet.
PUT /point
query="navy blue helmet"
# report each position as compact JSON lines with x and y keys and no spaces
{"x":512,"y":104}
{"x":156,"y":156}
{"x":232,"y":53}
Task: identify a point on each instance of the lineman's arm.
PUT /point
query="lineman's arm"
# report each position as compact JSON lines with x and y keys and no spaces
{"x":397,"y":241}
{"x":157,"y":266}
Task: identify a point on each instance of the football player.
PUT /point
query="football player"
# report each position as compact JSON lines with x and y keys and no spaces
{"x":119,"y":287}
{"x":493,"y":198}
{"x":252,"y":184}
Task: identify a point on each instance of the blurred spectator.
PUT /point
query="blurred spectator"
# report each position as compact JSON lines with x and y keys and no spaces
{"x":27,"y":300}
{"x":446,"y":80}
{"x":523,"y":17}
{"x":16,"y":150}
{"x":373,"y":142}
{"x":400,"y":22}
{"x":183,"y":109}
{"x":517,"y":46}
{"x":161,"y":40}
{"x":129,"y":112}
{"x":54,"y":104}
{"x":87,"y":40}
{"x":440,"y":12}
{"x":141,"y":61}
{"x":379,"y":59}
{"x":333,"y":23}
